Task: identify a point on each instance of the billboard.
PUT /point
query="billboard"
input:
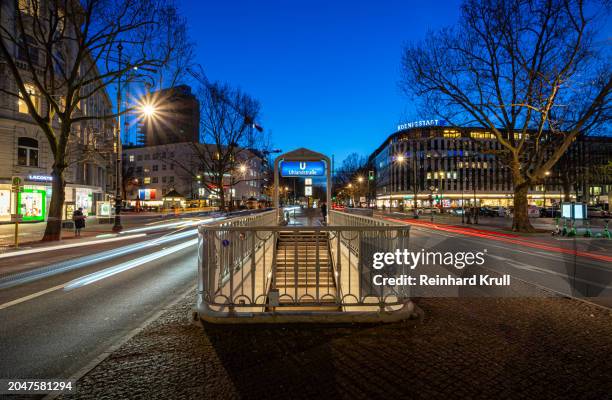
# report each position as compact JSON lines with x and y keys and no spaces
{"x":33,"y":204}
{"x":302,"y":168}
{"x":147,"y":194}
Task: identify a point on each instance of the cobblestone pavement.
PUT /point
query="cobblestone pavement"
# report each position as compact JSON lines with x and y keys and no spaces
{"x":461,"y":348}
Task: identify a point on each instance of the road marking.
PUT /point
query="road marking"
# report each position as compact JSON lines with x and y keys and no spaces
{"x":67,"y":246}
{"x":30,"y":297}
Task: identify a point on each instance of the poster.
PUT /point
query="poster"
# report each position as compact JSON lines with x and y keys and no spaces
{"x":5,"y":203}
{"x":32,"y":204}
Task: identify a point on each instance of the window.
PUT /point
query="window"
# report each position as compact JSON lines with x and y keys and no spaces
{"x":131,"y":157}
{"x":34,"y":97}
{"x":139,"y":158}
{"x":27,"y":152}
{"x":154,"y":179}
{"x":171,"y":166}
{"x":164,"y":179}
{"x":451,"y":133}
{"x":171,"y":179}
{"x":164,"y":166}
{"x":481,"y":135}
{"x":155,"y":167}
{"x":147,"y":157}
{"x":147,"y":180}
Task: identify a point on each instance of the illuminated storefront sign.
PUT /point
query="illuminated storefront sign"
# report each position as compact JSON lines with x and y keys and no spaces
{"x":33,"y":204}
{"x":302,"y":168}
{"x":40,"y":178}
{"x":147,"y":194}
{"x":421,"y":123}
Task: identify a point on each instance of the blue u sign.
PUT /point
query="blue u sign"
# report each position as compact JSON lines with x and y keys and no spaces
{"x":302,"y":168}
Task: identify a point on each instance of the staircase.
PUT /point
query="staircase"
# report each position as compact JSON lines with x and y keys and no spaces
{"x":297,"y":262}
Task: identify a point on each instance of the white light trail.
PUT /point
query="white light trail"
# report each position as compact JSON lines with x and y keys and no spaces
{"x":67,"y":246}
{"x":108,"y":272}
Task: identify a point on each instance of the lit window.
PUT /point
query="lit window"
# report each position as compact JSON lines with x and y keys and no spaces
{"x":27,"y":152}
{"x":131,"y":157}
{"x":34,"y":97}
{"x":451,"y":133}
{"x":481,"y":135}
{"x":147,"y":180}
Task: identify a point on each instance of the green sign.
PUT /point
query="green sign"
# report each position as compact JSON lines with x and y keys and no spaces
{"x":33,"y":204}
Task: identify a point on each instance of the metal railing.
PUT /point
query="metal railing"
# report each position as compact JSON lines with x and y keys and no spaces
{"x":251,"y":265}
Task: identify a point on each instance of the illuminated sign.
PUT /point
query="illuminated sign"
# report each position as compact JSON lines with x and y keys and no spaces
{"x":40,"y":178}
{"x":308,"y":191}
{"x":421,"y":123}
{"x":147,"y":194}
{"x":33,"y":204}
{"x":302,"y":168}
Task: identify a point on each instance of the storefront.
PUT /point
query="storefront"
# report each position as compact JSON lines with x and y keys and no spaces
{"x":35,"y":198}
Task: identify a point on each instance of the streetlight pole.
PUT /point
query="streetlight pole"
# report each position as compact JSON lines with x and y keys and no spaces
{"x":117,"y":225}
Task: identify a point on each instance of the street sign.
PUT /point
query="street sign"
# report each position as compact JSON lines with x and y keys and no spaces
{"x":302,"y":168}
{"x":308,"y":181}
{"x":308,"y":190}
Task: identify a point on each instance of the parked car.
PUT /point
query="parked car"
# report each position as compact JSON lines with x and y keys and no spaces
{"x":429,"y":210}
{"x":533,"y":212}
{"x":596,"y":212}
{"x":505,"y":211}
{"x":488,"y":212}
{"x":456,"y":211}
{"x":550,"y":212}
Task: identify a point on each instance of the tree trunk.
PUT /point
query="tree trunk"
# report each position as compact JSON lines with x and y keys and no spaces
{"x":53,"y":230}
{"x":221,"y":195}
{"x":520,"y":219}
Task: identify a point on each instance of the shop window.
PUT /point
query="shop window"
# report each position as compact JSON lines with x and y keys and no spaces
{"x":27,"y":152}
{"x":32,"y":92}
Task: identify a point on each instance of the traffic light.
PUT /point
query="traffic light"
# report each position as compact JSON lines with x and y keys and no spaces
{"x":371,"y":175}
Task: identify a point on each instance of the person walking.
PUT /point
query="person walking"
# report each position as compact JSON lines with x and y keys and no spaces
{"x":79,"y":221}
{"x":324,"y":211}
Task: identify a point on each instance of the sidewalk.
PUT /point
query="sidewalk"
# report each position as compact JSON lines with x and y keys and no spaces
{"x":545,"y":348}
{"x":31,"y":233}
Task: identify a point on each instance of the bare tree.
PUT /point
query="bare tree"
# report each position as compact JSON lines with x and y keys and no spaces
{"x":530,"y":71}
{"x":68,"y":52}
{"x":227,"y":117}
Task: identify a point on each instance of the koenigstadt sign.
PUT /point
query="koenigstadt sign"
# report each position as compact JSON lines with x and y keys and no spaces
{"x":421,"y":123}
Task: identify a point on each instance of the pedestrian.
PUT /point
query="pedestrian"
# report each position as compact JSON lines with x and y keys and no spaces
{"x":324,"y":211}
{"x":79,"y":221}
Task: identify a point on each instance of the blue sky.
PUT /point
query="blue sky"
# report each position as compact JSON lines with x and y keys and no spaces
{"x":326,"y":72}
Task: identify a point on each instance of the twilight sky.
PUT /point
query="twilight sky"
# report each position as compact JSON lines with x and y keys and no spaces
{"x":326,"y":72}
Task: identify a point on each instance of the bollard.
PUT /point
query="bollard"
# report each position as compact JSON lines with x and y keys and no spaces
{"x":588,"y":232}
{"x":606,"y":233}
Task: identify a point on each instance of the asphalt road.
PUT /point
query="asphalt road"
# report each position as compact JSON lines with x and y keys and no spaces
{"x":56,"y":333}
{"x":568,"y":274}
{"x":53,"y":327}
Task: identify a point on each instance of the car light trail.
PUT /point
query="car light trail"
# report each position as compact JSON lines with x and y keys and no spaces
{"x":505,"y":238}
{"x":67,"y":246}
{"x":108,"y":272}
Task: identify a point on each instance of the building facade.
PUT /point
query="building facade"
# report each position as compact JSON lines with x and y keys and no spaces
{"x":150,"y":173}
{"x":25,"y":151}
{"x":180,"y":112}
{"x":449,"y":167}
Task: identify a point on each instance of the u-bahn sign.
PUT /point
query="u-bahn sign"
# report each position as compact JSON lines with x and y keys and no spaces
{"x":302,"y":168}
